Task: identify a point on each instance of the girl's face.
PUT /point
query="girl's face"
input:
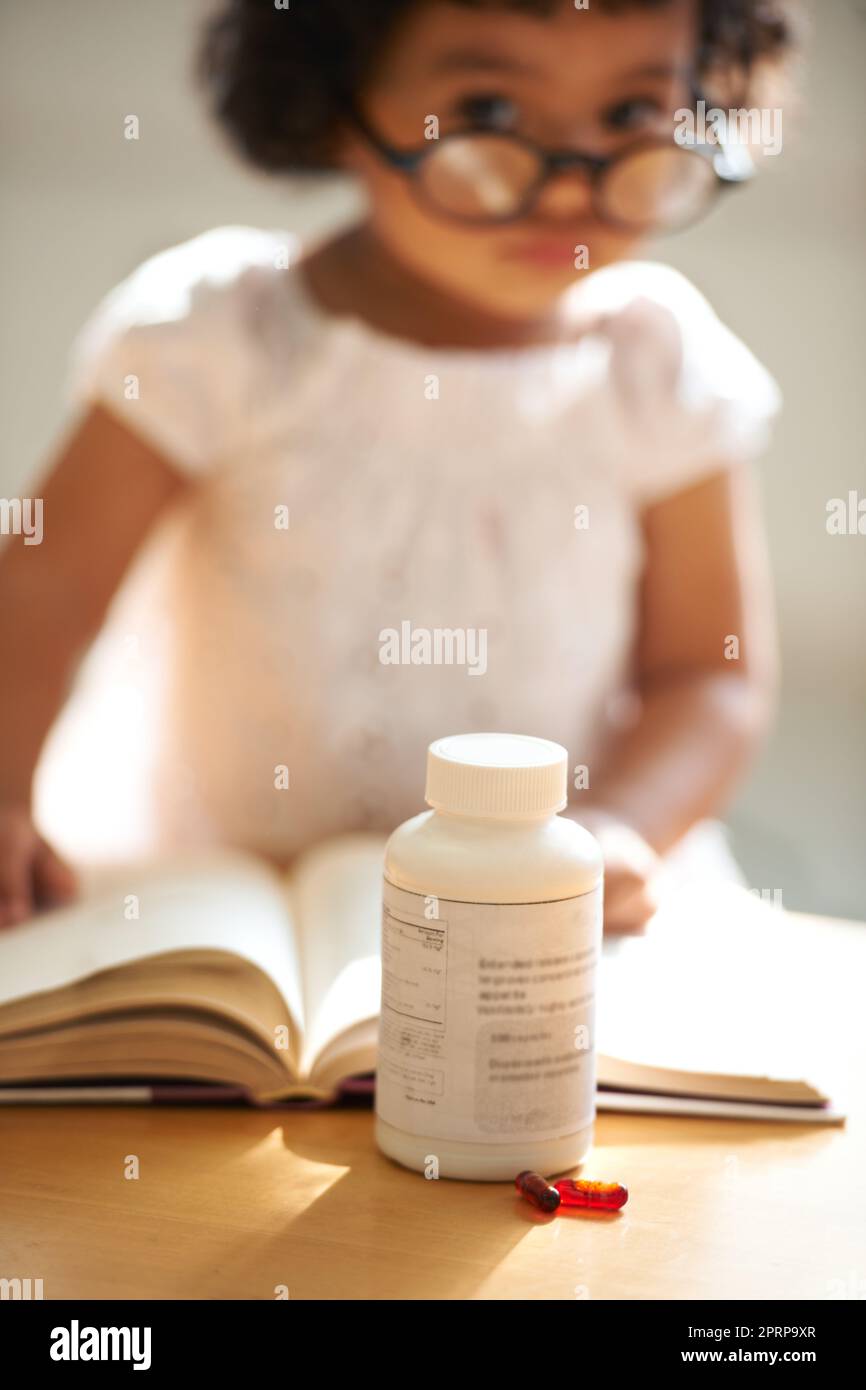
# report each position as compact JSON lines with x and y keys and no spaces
{"x":585,"y":79}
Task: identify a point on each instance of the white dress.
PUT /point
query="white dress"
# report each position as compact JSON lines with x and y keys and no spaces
{"x":348,"y":484}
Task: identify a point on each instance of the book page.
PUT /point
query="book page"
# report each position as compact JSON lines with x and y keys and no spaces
{"x":335,"y":894}
{"x":719,"y":983}
{"x":215,"y":901}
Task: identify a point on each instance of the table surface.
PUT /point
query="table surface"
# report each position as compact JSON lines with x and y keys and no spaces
{"x":231,"y":1203}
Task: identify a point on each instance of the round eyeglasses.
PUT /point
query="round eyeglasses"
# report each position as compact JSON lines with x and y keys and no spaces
{"x":484,"y":177}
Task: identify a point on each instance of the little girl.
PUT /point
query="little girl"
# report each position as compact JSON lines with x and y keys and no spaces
{"x":470,"y":464}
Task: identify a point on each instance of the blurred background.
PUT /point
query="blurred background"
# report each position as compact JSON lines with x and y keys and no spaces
{"x":782,"y":264}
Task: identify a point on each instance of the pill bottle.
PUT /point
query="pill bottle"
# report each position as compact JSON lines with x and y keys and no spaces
{"x":491,"y":934}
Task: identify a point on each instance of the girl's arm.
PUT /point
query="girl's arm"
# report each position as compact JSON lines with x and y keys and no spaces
{"x":103,"y":494}
{"x":705,"y":671}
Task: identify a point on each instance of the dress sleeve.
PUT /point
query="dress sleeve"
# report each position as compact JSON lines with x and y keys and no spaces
{"x":693,"y":398}
{"x":168,"y":350}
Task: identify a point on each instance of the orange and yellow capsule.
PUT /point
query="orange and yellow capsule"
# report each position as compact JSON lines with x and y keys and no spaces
{"x":601,"y":1196}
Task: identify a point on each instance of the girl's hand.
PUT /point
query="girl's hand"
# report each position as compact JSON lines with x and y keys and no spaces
{"x":631,"y":873}
{"x":32,"y":876}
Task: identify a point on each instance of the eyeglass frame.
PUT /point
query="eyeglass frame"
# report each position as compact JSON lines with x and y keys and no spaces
{"x":731,"y":170}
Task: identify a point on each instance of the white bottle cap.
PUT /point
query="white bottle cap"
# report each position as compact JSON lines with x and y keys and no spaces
{"x":504,"y":776}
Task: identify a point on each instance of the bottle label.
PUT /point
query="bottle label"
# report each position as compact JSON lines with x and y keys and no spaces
{"x":487,"y":1031}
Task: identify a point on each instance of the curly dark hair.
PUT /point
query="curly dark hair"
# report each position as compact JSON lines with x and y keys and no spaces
{"x":280,"y":89}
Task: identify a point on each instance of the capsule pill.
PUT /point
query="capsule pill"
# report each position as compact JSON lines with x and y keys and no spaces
{"x":537,"y":1190}
{"x":602,"y":1196}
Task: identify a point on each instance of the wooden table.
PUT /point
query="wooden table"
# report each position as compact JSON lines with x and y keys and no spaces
{"x":231,"y":1204}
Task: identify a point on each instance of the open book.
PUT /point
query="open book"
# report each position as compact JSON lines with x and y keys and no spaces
{"x":218,"y":978}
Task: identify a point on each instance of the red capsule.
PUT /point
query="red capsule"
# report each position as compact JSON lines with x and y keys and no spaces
{"x":537,"y":1190}
{"x":602,"y":1196}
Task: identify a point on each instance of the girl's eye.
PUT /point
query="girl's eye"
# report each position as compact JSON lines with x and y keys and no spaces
{"x":488,"y":112}
{"x":633,"y":114}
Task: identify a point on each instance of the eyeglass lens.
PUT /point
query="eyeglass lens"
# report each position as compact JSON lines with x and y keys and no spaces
{"x":491,"y":178}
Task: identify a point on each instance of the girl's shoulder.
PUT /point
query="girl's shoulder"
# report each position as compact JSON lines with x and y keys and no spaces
{"x":173,"y":346}
{"x":215,"y":273}
{"x":693,"y":396}
{"x":648,"y":299}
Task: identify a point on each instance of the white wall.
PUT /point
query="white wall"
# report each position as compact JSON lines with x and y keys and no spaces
{"x":783,"y":263}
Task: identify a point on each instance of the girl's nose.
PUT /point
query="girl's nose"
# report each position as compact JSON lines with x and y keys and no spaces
{"x":565,"y":195}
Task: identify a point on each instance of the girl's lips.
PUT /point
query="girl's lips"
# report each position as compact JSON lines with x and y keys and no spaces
{"x":555,"y":251}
